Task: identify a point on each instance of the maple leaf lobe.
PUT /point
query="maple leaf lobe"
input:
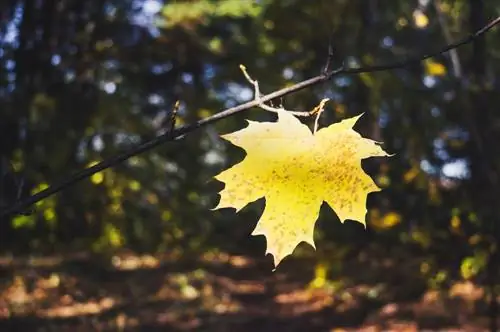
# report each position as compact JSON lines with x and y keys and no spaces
{"x":296,"y":170}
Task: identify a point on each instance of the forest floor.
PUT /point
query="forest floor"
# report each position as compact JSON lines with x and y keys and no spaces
{"x":220,"y":292}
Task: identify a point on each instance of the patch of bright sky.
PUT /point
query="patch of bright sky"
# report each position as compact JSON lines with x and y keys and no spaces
{"x":208,"y":72}
{"x":439,"y":149}
{"x":342,"y":81}
{"x":387,"y":42}
{"x":151,"y":7}
{"x":457,"y":133}
{"x":126,"y":138}
{"x":435,"y":111}
{"x":383,"y":118}
{"x":234,"y":93}
{"x":352,"y":62}
{"x":457,"y":169}
{"x":429,"y":81}
{"x":56,"y":59}
{"x":155,"y":99}
{"x":10,"y":64}
{"x":97,"y":143}
{"x":427,"y":167}
{"x":146,"y":16}
{"x":110,"y":64}
{"x":109,"y":87}
{"x":110,"y":10}
{"x":213,"y":157}
{"x":334,"y":95}
{"x":187,"y":78}
{"x":449,"y":95}
{"x":288,"y":73}
{"x":161,"y":68}
{"x":12,"y":29}
{"x":69,"y":75}
{"x":240,"y":93}
{"x":81,"y":152}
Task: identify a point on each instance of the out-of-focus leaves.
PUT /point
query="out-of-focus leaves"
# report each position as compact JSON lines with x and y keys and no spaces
{"x":23,"y":221}
{"x":455,"y":224}
{"x":420,"y":19}
{"x":385,"y":221}
{"x":472,"y":265}
{"x":438,"y":279}
{"x":185,"y":12}
{"x":320,"y":276}
{"x":111,"y":238}
{"x":91,"y":80}
{"x":434,"y":68}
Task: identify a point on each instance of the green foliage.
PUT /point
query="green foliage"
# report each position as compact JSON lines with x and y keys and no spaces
{"x":472,"y":265}
{"x":176,"y":13}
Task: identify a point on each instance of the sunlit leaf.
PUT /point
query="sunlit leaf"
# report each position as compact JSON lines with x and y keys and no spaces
{"x":296,"y":170}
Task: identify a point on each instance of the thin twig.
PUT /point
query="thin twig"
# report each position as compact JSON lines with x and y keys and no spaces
{"x":318,"y":110}
{"x":173,"y":116}
{"x":455,"y":59}
{"x":415,"y":59}
{"x":329,"y":58}
{"x":257,"y":97}
{"x":178,"y":133}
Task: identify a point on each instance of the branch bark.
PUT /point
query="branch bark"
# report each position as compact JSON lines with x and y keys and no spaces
{"x":179,"y":133}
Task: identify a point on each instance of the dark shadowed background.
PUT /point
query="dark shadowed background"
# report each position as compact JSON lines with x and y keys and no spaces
{"x":136,"y":247}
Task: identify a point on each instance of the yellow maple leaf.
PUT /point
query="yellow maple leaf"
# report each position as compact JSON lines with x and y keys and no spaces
{"x":296,"y":170}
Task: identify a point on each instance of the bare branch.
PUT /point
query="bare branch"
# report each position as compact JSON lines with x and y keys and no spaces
{"x":173,"y":116}
{"x":455,"y":59}
{"x":257,"y":97}
{"x":329,"y":58}
{"x":178,"y":133}
{"x":415,"y":59}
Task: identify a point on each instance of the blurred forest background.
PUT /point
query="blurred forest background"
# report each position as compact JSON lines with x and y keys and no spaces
{"x":137,"y":247}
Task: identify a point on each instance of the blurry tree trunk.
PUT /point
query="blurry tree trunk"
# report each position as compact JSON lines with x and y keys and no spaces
{"x":485,"y":146}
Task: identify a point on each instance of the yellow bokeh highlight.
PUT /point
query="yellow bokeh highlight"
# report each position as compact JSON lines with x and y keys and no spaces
{"x":296,"y":170}
{"x":420,"y":19}
{"x":97,"y":178}
{"x":40,"y":187}
{"x":424,"y":267}
{"x":134,"y":185}
{"x":49,"y":214}
{"x":204,"y":113}
{"x":434,"y":68}
{"x":92,"y":163}
{"x":455,"y":222}
{"x":113,"y":235}
{"x":402,"y":22}
{"x":320,"y":274}
{"x":391,"y":219}
{"x":385,"y":221}
{"x":166,"y":215}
